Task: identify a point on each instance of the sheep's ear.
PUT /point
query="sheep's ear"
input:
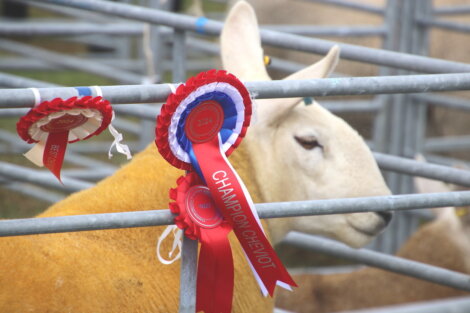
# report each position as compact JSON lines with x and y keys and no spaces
{"x":240,"y":43}
{"x":273,"y":109}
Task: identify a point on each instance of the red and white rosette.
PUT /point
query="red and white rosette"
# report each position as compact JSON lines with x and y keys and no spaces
{"x":198,"y":216}
{"x":51,"y":125}
{"x":198,"y":127}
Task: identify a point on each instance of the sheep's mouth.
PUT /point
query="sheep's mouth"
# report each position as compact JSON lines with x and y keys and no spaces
{"x":368,"y":232}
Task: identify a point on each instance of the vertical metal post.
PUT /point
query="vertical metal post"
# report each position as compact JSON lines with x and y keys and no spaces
{"x":400,"y":125}
{"x":383,"y":122}
{"x":189,"y":254}
{"x":152,"y":48}
{"x":179,"y":56}
{"x":188,"y":272}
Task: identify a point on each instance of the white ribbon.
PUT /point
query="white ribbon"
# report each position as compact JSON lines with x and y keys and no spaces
{"x":177,"y":243}
{"x":37,"y":96}
{"x":121,"y":148}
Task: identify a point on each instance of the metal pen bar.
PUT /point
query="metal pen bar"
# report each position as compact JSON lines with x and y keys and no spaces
{"x":452,"y":10}
{"x":15,"y":81}
{"x":428,"y":170}
{"x":383,"y":261}
{"x":350,"y":106}
{"x":290,"y":41}
{"x":449,"y":25}
{"x":11,"y":98}
{"x":41,"y":178}
{"x":265,"y":210}
{"x":339,"y":31}
{"x":452,"y":305}
{"x":79,"y":14}
{"x":355,"y":5}
{"x":188,"y":272}
{"x":444,"y":101}
{"x":70,"y":62}
{"x":27,"y":29}
{"x":448,"y":143}
{"x":31,"y":191}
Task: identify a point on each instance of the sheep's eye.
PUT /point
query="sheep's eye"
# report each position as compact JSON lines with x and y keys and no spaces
{"x":308,"y":143}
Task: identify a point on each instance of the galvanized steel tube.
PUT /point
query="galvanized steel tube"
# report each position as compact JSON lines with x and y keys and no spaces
{"x":265,"y":210}
{"x":387,"y":262}
{"x":211,"y":27}
{"x":11,"y":98}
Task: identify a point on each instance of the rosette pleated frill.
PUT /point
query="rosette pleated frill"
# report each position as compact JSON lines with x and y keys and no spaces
{"x":218,"y":86}
{"x":199,"y":126}
{"x":53,"y":124}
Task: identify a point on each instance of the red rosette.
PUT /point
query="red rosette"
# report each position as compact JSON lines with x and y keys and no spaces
{"x":47,"y":108}
{"x":198,"y":216}
{"x":184,"y":219}
{"x":53,"y":124}
{"x":174,"y":100}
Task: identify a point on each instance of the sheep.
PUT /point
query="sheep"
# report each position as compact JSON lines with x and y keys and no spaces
{"x":442,"y":121}
{"x":444,"y":242}
{"x":293,"y":152}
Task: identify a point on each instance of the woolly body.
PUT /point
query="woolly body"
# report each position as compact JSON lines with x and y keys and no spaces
{"x":112,"y":270}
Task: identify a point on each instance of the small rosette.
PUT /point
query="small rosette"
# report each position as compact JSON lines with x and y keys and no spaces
{"x":223,"y":95}
{"x":53,"y":124}
{"x":81,"y":117}
{"x":194,"y":207}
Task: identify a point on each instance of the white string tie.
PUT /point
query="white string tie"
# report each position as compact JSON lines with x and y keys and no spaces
{"x":121,"y":148}
{"x":177,"y":243}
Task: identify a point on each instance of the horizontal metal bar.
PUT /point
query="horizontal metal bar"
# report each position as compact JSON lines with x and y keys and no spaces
{"x":79,"y":14}
{"x":448,"y":143}
{"x":355,"y":5}
{"x":339,"y":31}
{"x":93,"y":174}
{"x":265,"y":210}
{"x":442,"y":24}
{"x":136,"y":110}
{"x":452,"y":10}
{"x":350,"y":106}
{"x":449,"y":305}
{"x":446,"y":161}
{"x":11,"y":98}
{"x":290,"y":41}
{"x":433,"y":171}
{"x":15,"y":81}
{"x":42,"y":178}
{"x":387,"y":262}
{"x":31,"y":191}
{"x":70,"y":62}
{"x":26,"y":28}
{"x":20,"y":63}
{"x":444,"y":101}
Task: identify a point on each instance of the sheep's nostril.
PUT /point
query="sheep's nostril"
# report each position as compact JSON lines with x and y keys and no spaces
{"x":387,"y":216}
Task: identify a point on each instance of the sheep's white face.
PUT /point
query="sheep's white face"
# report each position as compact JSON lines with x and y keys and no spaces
{"x":312,"y":154}
{"x":303,"y":152}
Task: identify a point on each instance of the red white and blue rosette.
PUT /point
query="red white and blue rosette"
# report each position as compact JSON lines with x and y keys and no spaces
{"x":212,"y":86}
{"x":198,"y":127}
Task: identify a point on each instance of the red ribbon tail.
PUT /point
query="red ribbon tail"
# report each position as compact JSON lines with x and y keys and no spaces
{"x":236,"y":206}
{"x":215,"y":273}
{"x":54,"y":152}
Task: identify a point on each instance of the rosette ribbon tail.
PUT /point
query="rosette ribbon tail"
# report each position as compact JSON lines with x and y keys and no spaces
{"x":233,"y":200}
{"x":54,"y":152}
{"x":215,"y":272}
{"x":50,"y":153}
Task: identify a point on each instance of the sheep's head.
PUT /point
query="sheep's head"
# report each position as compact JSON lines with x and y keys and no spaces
{"x":302,"y":151}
